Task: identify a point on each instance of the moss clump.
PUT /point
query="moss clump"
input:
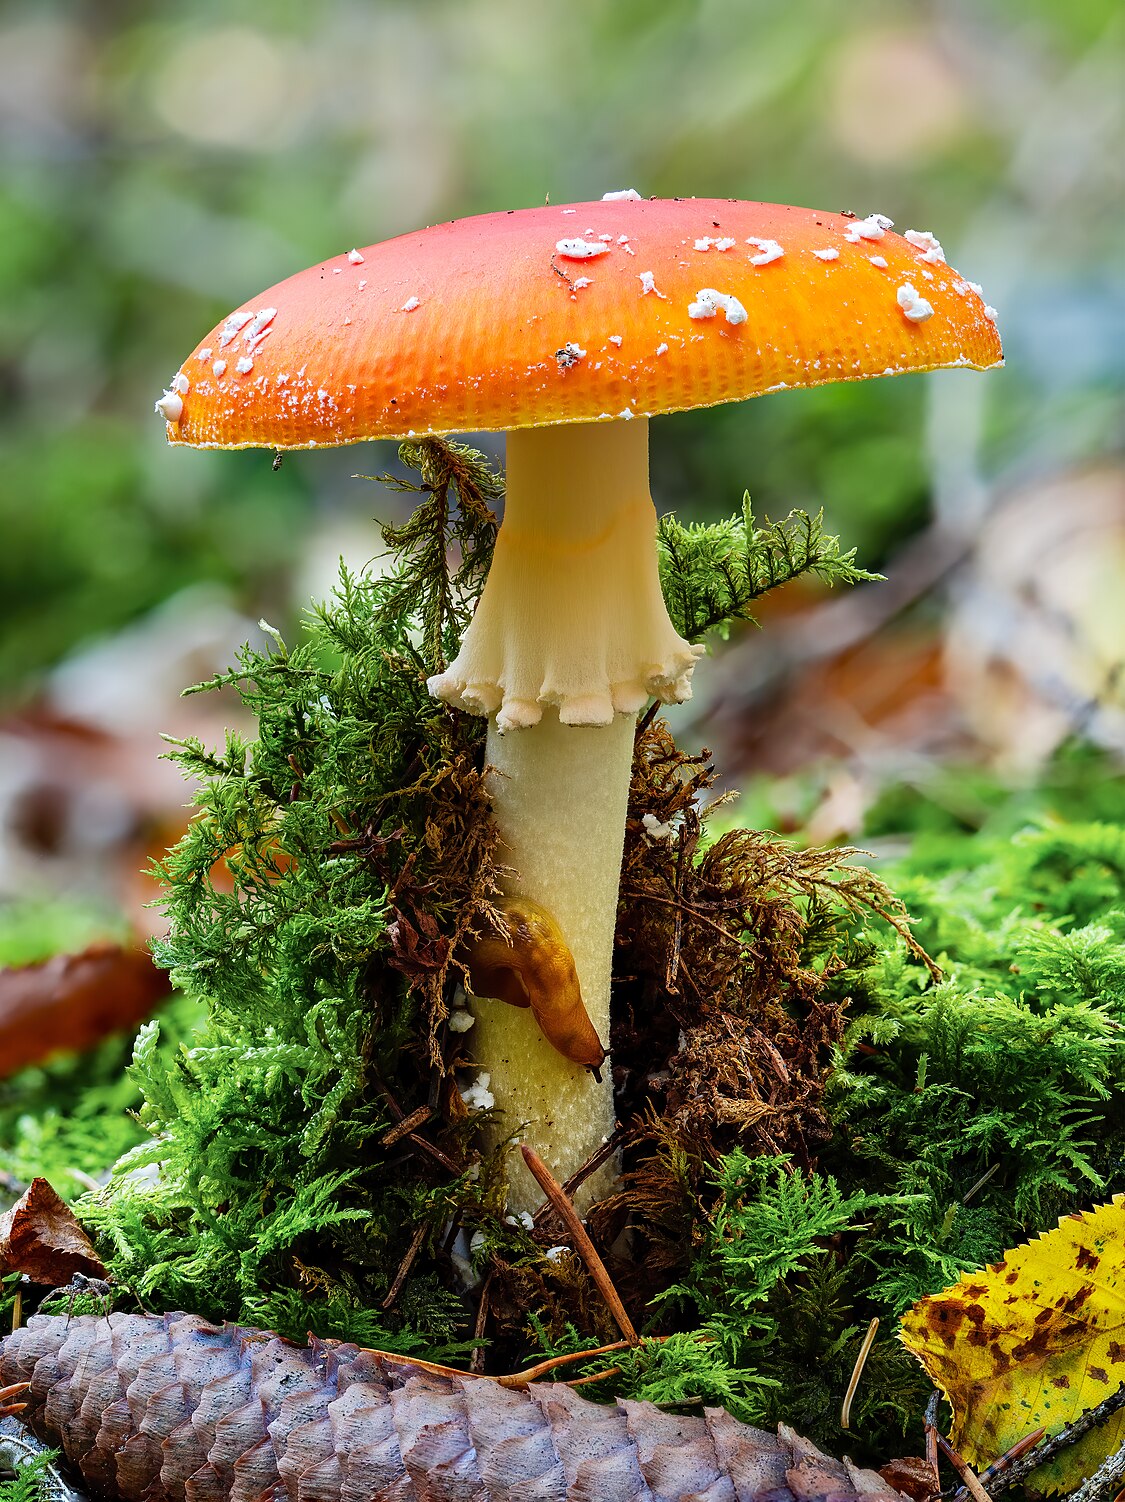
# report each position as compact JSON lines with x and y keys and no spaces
{"x":812,"y":1107}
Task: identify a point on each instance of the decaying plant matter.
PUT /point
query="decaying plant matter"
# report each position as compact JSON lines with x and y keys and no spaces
{"x":718,"y":944}
{"x":173,"y":1409}
{"x":71,"y":1001}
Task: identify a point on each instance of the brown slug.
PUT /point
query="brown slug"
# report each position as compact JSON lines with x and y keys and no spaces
{"x":533,"y":967}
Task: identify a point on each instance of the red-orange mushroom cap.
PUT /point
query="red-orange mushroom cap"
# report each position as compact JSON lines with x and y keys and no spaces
{"x":560,"y":325}
{"x":576,"y":313}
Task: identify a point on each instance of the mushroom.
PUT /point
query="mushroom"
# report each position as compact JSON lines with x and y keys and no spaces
{"x":568,"y":327}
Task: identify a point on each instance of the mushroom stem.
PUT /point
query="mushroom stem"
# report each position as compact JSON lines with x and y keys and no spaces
{"x":569,"y":640}
{"x":559,"y":795}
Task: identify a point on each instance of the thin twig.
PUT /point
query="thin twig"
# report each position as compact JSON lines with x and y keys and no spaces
{"x":1105,"y":1482}
{"x":967,"y":1475}
{"x":980,"y":1183}
{"x":476,"y":1364}
{"x":406,"y":1264}
{"x":1047,"y":1449}
{"x":415,"y":1141}
{"x":932,"y":1407}
{"x":610,"y":1371}
{"x":683,"y":907}
{"x":533,"y":1373}
{"x":673,"y":965}
{"x":583,"y":1245}
{"x":1010,"y":1456}
{"x":647,"y":718}
{"x":600,"y":1155}
{"x":7,"y":1393}
{"x":407,"y":1125}
{"x":857,"y":1372}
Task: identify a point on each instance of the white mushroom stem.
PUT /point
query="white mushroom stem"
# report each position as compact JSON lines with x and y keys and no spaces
{"x":569,"y":640}
{"x":559,"y":794}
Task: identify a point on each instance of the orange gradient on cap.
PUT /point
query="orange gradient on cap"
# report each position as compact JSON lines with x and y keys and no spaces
{"x":482,"y":324}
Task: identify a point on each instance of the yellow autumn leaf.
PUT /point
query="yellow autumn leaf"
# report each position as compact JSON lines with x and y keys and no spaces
{"x":1034,"y":1340}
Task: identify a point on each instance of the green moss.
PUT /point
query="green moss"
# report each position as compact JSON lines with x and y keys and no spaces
{"x":336,"y":863}
{"x":70,"y":1118}
{"x":35,"y":1478}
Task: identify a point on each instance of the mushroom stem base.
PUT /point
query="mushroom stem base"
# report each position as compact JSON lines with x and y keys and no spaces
{"x":560,"y":794}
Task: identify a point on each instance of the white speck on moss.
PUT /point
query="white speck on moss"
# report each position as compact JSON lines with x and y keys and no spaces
{"x":477,"y":1096}
{"x":769,"y":250}
{"x":355,"y":258}
{"x":916,"y":308}
{"x":234,"y":325}
{"x":410,"y":304}
{"x":219,"y":369}
{"x":581,"y":250}
{"x":244,"y":366}
{"x":928,"y":244}
{"x":880,"y":261}
{"x":661,"y":349}
{"x":181,"y":383}
{"x":170,"y":407}
{"x":648,"y":283}
{"x":874,"y":227}
{"x":831,"y":254}
{"x":620,"y":196}
{"x":556,"y":1253}
{"x":709,"y":301}
{"x":461,"y":1022}
{"x":615,"y":339}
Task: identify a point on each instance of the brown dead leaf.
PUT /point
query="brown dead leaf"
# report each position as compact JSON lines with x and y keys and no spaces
{"x":41,"y":1238}
{"x":73,"y":1001}
{"x":911,"y":1474}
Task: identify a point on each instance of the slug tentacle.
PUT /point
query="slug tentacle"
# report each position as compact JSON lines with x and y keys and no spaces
{"x":530,"y":965}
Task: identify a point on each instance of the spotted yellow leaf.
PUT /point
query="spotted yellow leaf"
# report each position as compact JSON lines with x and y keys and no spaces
{"x":1034,"y":1340}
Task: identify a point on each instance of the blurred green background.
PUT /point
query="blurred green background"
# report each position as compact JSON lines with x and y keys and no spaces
{"x":163,"y":163}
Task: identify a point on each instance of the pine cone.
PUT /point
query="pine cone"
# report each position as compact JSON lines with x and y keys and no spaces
{"x":151,"y":1409}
